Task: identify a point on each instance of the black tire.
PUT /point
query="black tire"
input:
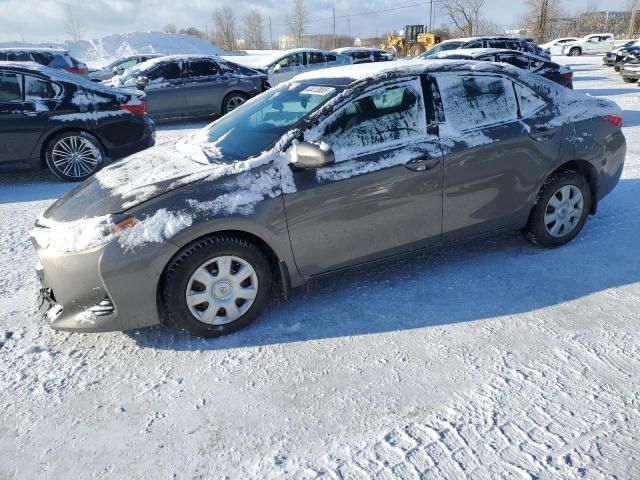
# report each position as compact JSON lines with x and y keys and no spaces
{"x":88,"y":145}
{"x":616,"y":68}
{"x":575,"y":52}
{"x":629,"y":80}
{"x":416,"y":50}
{"x":230,"y":102}
{"x":179,"y":272}
{"x":536,"y":231}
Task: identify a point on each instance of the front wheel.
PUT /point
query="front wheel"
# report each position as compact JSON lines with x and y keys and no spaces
{"x":74,"y":156}
{"x":416,"y":50}
{"x":629,"y":80}
{"x":575,"y":52}
{"x":233,"y":101}
{"x":562,"y":209}
{"x":216,"y":286}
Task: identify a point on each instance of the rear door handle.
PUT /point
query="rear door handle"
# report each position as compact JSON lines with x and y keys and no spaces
{"x":422,"y":164}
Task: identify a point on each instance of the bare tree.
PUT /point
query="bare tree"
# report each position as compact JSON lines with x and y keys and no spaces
{"x":225,"y":27}
{"x":170,"y":28}
{"x":541,"y":19}
{"x":297,"y":21}
{"x":465,"y":15}
{"x":73,"y":20}
{"x":194,"y":32}
{"x":253,"y":29}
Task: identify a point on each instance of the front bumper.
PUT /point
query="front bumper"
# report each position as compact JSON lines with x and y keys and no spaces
{"x":609,"y":61}
{"x":103,"y":289}
{"x":626,"y":73}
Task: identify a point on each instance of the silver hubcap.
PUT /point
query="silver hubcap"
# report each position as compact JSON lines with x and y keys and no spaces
{"x":221,"y":290}
{"x":75,"y":156}
{"x":564,"y":211}
{"x":234,"y":102}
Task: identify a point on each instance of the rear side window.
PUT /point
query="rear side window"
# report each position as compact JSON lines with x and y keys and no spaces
{"x":42,"y":58}
{"x":384,"y":116}
{"x":290,"y":61}
{"x":528,"y":100}
{"x":168,"y":71}
{"x":40,"y":89}
{"x":10,"y":87}
{"x":477,"y":100}
{"x":201,"y":69}
{"x":315,"y":58}
{"x":331,"y":57}
{"x":516,"y":60}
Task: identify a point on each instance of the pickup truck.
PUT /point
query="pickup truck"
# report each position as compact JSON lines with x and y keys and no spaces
{"x":591,"y":44}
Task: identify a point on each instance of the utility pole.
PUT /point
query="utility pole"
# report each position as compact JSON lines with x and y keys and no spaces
{"x":270,"y":34}
{"x":349,"y":25}
{"x":334,"y":27}
{"x":431,"y":15}
{"x":632,"y":22}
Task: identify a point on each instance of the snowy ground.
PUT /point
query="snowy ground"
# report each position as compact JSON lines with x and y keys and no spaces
{"x":488,"y":360}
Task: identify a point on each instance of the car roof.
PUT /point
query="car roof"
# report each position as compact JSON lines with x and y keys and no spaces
{"x":34,"y":49}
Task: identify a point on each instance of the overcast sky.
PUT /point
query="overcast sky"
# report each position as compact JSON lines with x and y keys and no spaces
{"x":44,"y":19}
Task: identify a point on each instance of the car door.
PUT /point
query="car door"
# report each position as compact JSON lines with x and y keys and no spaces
{"x":498,"y":153}
{"x":205,"y":87}
{"x":165,"y":90}
{"x":26,"y":104}
{"x":383,"y":196}
{"x":315,"y":60}
{"x":286,"y":68}
{"x":592,"y":44}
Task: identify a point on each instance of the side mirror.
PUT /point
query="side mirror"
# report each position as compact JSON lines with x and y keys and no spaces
{"x":117,"y":70}
{"x":313,"y":155}
{"x":142,"y":82}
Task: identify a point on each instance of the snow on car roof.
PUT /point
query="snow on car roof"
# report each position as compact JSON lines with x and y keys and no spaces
{"x":34,"y":49}
{"x":263,"y":61}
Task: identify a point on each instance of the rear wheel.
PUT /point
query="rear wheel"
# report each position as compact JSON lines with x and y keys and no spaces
{"x":561,"y":211}
{"x":233,"y":101}
{"x":575,"y":52}
{"x":629,"y":80}
{"x":74,"y":156}
{"x":216,"y":286}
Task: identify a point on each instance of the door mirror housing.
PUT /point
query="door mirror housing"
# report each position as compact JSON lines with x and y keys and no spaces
{"x":309,"y":155}
{"x":141,"y":83}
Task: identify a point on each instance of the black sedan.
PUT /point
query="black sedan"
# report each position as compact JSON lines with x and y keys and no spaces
{"x":524,"y":60}
{"x":365,"y":55}
{"x":56,"y":120}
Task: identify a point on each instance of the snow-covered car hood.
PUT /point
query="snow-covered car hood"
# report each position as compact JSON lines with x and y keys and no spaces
{"x":132,"y":181}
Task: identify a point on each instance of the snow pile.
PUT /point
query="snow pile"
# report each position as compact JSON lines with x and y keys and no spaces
{"x":101,"y":51}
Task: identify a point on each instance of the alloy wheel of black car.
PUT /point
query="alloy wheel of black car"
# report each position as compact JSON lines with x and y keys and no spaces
{"x":561,"y":211}
{"x":74,"y":156}
{"x":216,"y":286}
{"x":233,"y":101}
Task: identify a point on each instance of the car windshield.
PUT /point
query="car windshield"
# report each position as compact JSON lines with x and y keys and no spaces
{"x":258,"y":124}
{"x":440,"y":48}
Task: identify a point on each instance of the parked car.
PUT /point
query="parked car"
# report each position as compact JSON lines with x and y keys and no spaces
{"x":49,"y":57}
{"x":628,"y":55}
{"x":365,"y":55}
{"x":630,"y":68}
{"x":589,"y":45}
{"x":555,"y":46}
{"x":610,"y":58}
{"x":285,"y":65}
{"x":119,"y":66}
{"x":527,"y":61}
{"x":52,"y":119}
{"x":180,"y":86}
{"x":335,"y":169}
{"x":523,"y":44}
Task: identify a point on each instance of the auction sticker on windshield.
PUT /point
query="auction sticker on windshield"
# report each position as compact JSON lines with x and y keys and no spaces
{"x":317,"y":90}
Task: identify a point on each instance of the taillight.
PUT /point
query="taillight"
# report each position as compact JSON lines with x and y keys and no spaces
{"x":136,"y":108}
{"x":76,"y":71}
{"x":567,"y":75}
{"x":615,"y":118}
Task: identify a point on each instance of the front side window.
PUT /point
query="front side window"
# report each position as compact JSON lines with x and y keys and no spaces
{"x":203,"y":69}
{"x":127,"y":64}
{"x":471,"y":101}
{"x":331,"y":57}
{"x":168,"y":71}
{"x":385,"y":116}
{"x":40,"y":89}
{"x":10,"y":87}
{"x":18,"y":57}
{"x":291,"y":61}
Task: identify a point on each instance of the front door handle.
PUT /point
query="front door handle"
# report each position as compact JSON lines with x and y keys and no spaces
{"x":422,"y":164}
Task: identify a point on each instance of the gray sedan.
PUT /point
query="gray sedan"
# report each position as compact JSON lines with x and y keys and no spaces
{"x":333,"y":170}
{"x":180,"y":86}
